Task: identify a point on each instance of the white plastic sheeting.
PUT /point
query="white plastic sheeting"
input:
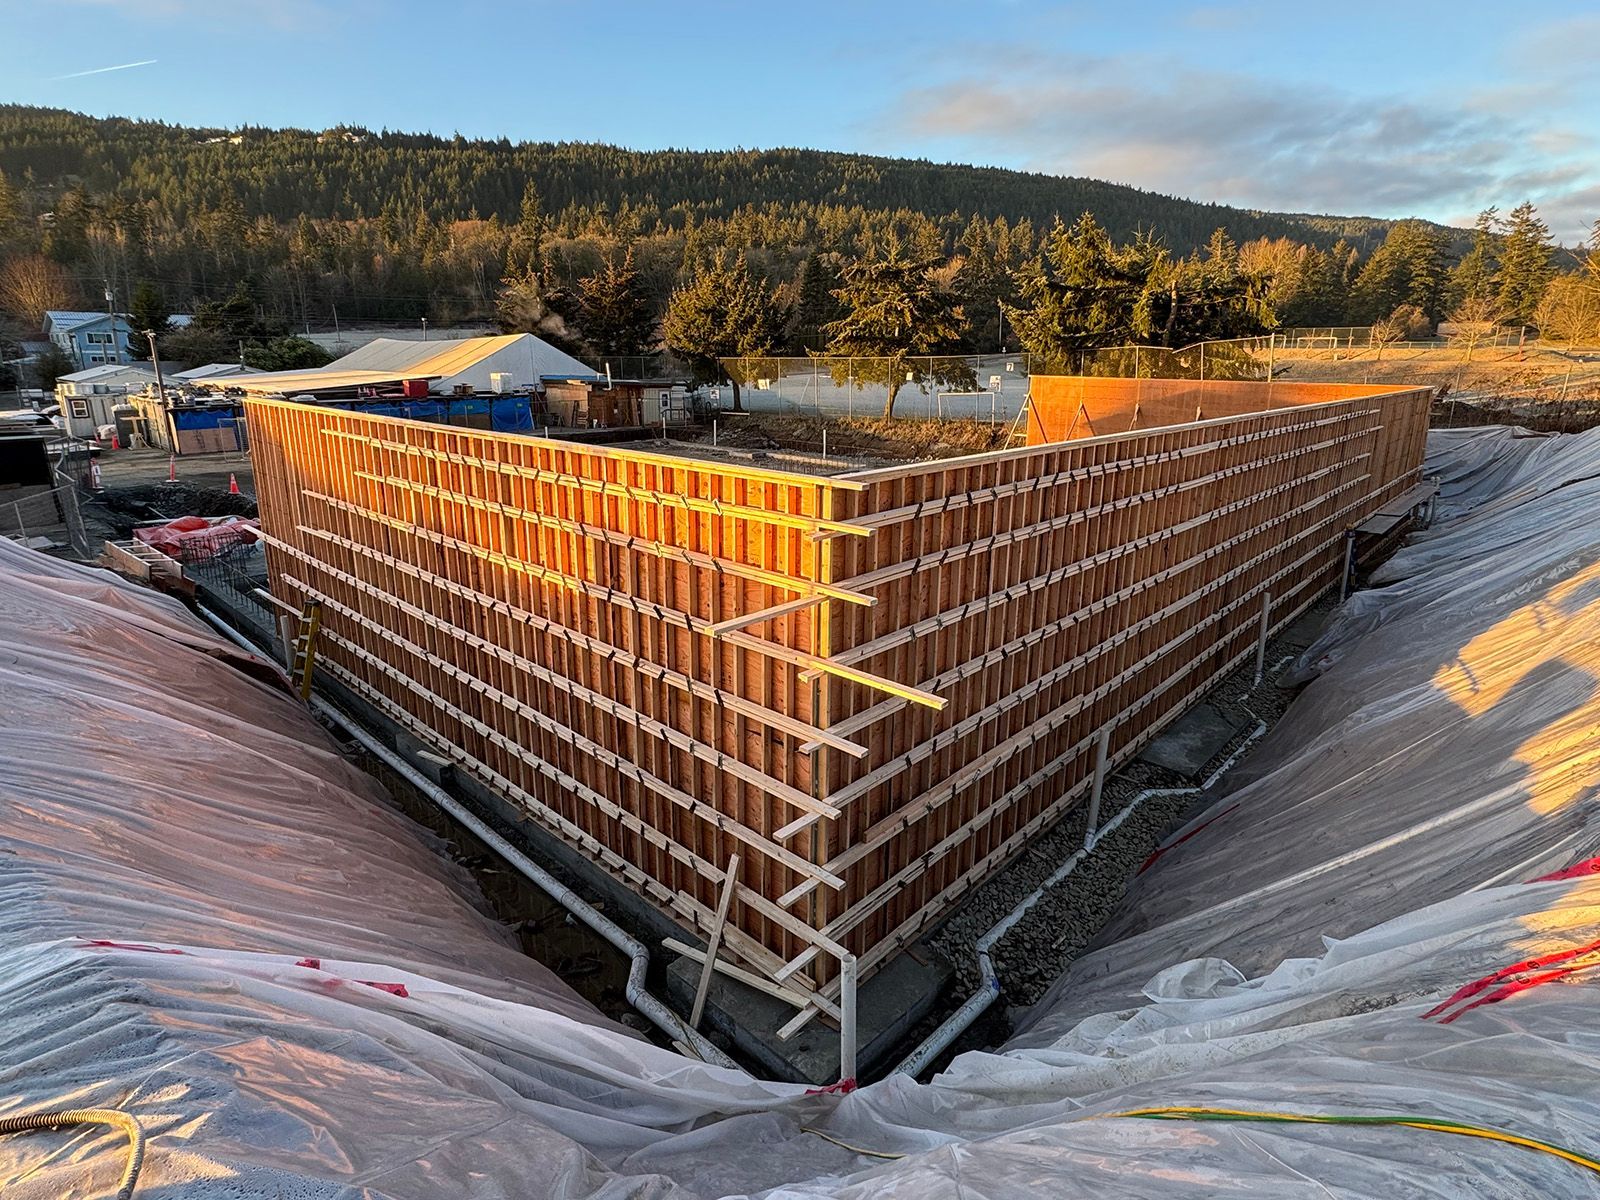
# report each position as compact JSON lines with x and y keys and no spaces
{"x":208,"y":918}
{"x":1370,"y":859}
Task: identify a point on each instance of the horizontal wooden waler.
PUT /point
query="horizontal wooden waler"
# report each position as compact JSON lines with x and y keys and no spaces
{"x":871,"y":688}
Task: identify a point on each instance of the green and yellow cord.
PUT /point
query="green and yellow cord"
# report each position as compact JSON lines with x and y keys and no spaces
{"x":1431,"y":1124}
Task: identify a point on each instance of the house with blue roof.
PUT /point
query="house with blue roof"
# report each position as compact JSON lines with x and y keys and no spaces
{"x":90,"y":338}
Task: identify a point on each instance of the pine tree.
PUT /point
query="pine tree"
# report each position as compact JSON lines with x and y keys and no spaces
{"x":613,"y":312}
{"x":897,"y":310}
{"x":815,"y":304}
{"x":724,"y":311}
{"x":149,"y":311}
{"x":527,"y":236}
{"x":10,"y":211}
{"x":1473,"y":277}
{"x":1083,"y":292}
{"x":525,"y":304}
{"x":1527,"y":264}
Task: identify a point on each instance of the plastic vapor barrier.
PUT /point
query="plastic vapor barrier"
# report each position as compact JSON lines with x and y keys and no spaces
{"x":1389,"y":913}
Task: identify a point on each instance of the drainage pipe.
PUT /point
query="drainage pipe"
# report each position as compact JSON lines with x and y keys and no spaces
{"x":988,"y":991}
{"x":638,"y":953}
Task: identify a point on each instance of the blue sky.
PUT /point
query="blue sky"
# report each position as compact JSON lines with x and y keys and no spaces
{"x":1386,"y":109}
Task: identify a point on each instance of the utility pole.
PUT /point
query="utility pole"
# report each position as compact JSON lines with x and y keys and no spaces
{"x":111,"y":321}
{"x":161,"y":390}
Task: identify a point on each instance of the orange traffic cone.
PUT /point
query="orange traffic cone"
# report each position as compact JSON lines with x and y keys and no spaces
{"x":172,"y":468}
{"x":233,"y":484}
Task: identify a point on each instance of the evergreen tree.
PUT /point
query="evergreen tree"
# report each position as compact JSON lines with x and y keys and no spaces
{"x":148,"y":310}
{"x":10,"y":211}
{"x":526,"y":305}
{"x":897,"y":311}
{"x":1424,"y":250}
{"x":1207,"y":297}
{"x":1083,"y":292}
{"x":527,"y":236}
{"x":815,"y":305}
{"x":724,"y":311}
{"x":1473,"y":277}
{"x":613,"y":312}
{"x":1319,"y":298}
{"x":285,"y":354}
{"x":1527,"y":264}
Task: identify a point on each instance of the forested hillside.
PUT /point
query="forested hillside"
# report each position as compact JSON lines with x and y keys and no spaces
{"x":262,"y":232}
{"x":356,"y":174}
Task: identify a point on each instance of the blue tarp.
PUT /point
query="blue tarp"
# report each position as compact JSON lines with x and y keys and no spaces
{"x":205,"y":418}
{"x":507,"y":414}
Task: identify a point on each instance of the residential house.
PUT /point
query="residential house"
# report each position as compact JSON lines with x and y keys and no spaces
{"x":89,"y":338}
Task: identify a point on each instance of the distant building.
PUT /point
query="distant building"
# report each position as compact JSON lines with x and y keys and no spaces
{"x":211,"y":371}
{"x":592,"y":402}
{"x":89,"y":338}
{"x":87,"y":397}
{"x":394,"y":367}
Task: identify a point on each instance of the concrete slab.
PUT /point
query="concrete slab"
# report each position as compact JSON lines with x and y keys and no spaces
{"x":1194,"y":739}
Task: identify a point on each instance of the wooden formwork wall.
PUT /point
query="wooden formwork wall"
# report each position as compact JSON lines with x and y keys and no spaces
{"x":1051,"y":593}
{"x":872,"y":688}
{"x":539,"y":612}
{"x":1070,"y":407}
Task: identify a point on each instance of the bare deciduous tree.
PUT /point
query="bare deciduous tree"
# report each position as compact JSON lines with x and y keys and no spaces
{"x":1570,"y":310}
{"x":1473,"y":322}
{"x":31,"y":285}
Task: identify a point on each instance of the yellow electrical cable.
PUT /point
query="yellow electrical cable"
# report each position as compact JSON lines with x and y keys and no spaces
{"x":1435,"y":1125}
{"x":828,"y":1137}
{"x":1178,"y":1113}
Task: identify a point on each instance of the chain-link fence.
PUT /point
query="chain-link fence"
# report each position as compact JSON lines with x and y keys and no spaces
{"x":993,"y":388}
{"x":989,"y":388}
{"x":47,"y":519}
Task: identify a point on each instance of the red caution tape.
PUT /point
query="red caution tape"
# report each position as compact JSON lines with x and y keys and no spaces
{"x":843,"y":1088}
{"x":130,"y":946}
{"x":1504,"y":973}
{"x":1589,"y":866}
{"x":1160,"y":850}
{"x":1519,"y":985}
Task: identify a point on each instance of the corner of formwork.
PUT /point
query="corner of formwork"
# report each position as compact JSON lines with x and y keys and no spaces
{"x":890,"y":1005}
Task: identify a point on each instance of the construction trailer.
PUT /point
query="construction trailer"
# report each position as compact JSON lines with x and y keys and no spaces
{"x":870,"y":688}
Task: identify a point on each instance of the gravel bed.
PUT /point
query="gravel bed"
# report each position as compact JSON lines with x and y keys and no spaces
{"x":1065,"y":920}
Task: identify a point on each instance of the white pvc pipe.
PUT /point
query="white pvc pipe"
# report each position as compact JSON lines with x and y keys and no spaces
{"x":847,"y":1017}
{"x":988,"y":991}
{"x":638,"y":953}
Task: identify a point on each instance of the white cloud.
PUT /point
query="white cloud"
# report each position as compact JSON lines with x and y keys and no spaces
{"x":1236,"y":138}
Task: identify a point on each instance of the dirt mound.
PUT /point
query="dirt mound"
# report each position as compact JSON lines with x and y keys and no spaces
{"x":859,"y":437}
